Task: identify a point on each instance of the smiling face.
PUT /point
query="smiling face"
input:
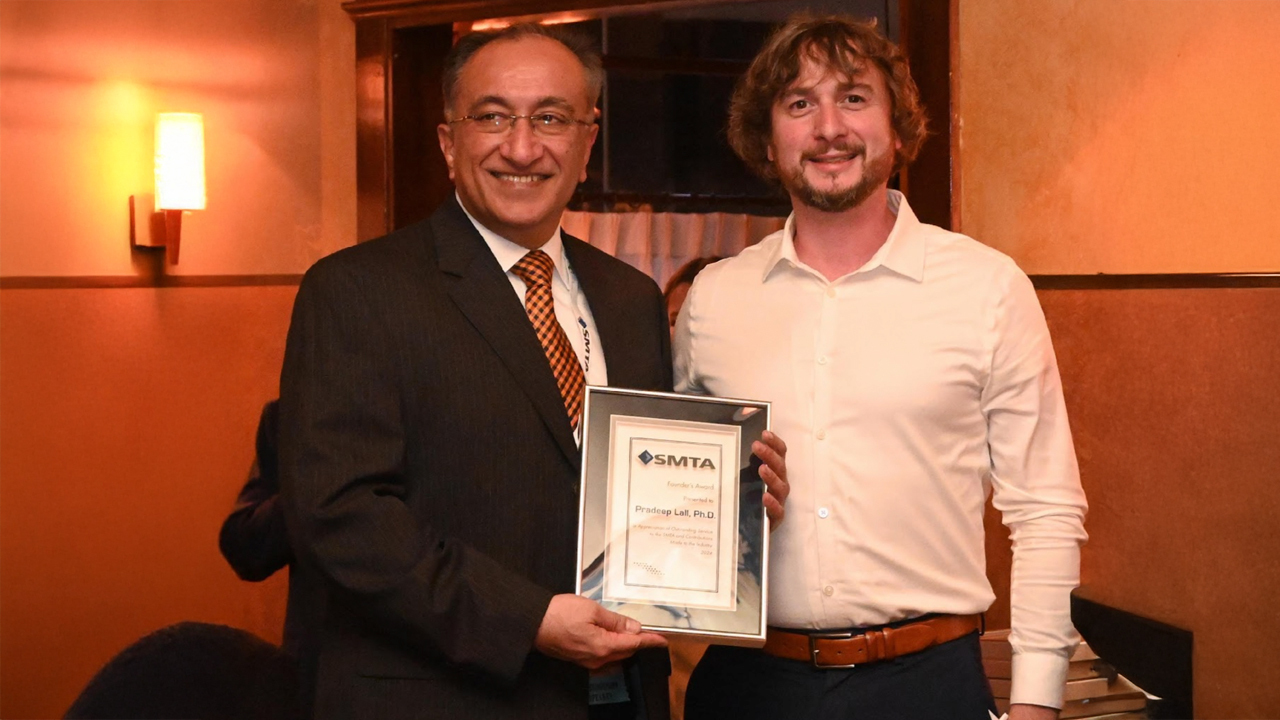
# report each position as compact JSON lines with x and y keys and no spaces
{"x":833,"y":142}
{"x":518,"y":182}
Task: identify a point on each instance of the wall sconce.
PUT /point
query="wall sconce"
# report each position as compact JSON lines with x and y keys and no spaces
{"x":179,"y":184}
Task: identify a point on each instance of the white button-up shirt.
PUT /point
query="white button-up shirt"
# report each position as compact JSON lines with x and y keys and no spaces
{"x":906,"y":391}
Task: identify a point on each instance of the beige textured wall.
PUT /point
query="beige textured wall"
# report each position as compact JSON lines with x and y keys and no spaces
{"x":81,"y":83}
{"x":1122,"y":136}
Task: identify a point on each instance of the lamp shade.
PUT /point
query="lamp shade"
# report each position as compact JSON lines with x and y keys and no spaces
{"x":180,"y":161}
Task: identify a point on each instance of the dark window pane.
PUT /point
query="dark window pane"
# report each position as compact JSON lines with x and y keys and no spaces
{"x":666,"y":134}
{"x":652,"y":36}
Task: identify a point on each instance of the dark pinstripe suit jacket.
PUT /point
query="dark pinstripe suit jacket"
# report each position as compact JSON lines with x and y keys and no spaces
{"x":430,"y":475}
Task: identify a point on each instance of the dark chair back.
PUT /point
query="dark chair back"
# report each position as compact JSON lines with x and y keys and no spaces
{"x":194,"y":670}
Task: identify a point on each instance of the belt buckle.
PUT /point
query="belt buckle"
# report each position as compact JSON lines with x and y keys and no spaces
{"x":813,"y":650}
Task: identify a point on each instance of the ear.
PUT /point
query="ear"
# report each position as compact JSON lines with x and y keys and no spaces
{"x":586,"y":156}
{"x":444,"y":132}
{"x":768,"y":152}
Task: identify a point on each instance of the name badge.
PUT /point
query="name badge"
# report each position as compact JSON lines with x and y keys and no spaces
{"x":608,"y":689}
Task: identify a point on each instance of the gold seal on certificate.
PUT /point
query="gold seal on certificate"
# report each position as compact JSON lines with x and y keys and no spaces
{"x":673,"y":531}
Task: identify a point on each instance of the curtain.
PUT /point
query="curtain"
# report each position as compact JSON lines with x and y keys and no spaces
{"x":659,"y":243}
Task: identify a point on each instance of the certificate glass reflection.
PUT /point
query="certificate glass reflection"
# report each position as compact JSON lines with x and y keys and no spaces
{"x":673,"y":531}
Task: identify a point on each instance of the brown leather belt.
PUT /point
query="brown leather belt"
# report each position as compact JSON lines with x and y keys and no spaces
{"x":845,"y":650}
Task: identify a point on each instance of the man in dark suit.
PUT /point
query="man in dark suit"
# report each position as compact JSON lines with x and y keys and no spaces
{"x":429,"y":409}
{"x":253,"y":538}
{"x":255,"y":543}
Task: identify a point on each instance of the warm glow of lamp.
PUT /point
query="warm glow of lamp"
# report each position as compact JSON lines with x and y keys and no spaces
{"x":180,"y":161}
{"x":179,"y":179}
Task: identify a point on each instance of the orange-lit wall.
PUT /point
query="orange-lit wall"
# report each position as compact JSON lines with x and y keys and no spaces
{"x":1144,"y":137}
{"x":1122,"y":137}
{"x":1174,"y":399}
{"x":126,"y":430}
{"x":1175,"y":402}
{"x":127,"y":415}
{"x":81,"y":84}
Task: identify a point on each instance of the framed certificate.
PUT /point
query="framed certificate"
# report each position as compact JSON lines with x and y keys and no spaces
{"x":672,"y":529}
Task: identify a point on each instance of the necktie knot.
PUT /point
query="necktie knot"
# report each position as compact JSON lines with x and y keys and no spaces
{"x":535,"y":269}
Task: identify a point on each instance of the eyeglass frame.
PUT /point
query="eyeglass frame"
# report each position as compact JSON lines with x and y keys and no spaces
{"x":511,"y":123}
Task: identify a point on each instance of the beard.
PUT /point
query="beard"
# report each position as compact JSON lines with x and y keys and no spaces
{"x":876,"y":171}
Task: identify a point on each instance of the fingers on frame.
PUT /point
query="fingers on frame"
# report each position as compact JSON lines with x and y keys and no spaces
{"x":767,"y":455}
{"x":776,"y":485}
{"x":774,"y":442}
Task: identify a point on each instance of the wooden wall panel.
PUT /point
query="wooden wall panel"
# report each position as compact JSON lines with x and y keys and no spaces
{"x":1174,"y":398}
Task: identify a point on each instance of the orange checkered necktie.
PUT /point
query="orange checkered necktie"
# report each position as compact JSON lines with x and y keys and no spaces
{"x":535,"y":269}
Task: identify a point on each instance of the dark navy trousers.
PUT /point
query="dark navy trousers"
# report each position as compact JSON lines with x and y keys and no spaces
{"x":944,"y":682}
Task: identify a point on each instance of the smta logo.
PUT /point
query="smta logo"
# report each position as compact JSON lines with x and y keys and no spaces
{"x":688,"y":461}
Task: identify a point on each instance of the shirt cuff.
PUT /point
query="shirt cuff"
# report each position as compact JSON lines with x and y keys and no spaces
{"x":1039,"y":678}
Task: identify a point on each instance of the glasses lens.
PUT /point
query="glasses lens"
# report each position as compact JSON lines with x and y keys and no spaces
{"x":551,"y":123}
{"x":542,"y":124}
{"x":490,"y":122}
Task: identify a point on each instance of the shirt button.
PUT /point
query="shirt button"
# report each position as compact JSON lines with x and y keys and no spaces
{"x":831,"y":292}
{"x":822,"y":359}
{"x":823,"y":512}
{"x":828,"y":591}
{"x":821,"y":434}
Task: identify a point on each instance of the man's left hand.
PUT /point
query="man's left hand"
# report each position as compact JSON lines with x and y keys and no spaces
{"x":773,"y":453}
{"x":1022,"y":711}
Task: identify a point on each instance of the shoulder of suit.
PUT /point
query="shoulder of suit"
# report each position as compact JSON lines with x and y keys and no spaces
{"x":585,"y":257}
{"x":391,"y":251}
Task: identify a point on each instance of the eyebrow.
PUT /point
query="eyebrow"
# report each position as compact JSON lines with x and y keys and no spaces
{"x":548,"y":101}
{"x":863,"y":86}
{"x":842,"y":87}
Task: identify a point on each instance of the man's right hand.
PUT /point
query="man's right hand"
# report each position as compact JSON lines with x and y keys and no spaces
{"x":581,"y":631}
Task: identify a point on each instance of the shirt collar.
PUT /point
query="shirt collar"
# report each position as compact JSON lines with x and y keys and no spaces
{"x":902,"y":253}
{"x":509,"y":253}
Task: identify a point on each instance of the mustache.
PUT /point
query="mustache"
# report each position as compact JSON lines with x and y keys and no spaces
{"x":843,"y":147}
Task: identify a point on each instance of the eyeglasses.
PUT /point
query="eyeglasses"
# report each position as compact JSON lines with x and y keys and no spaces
{"x":549,"y":123}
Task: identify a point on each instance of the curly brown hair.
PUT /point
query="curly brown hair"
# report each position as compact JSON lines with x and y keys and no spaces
{"x":840,"y":43}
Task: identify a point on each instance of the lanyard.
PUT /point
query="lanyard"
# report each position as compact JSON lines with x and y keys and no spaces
{"x":586,"y":345}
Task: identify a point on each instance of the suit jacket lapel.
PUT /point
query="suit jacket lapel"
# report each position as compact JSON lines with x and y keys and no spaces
{"x":480,"y":289}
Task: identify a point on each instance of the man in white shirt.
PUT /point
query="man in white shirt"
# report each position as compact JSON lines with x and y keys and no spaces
{"x":911,"y":371}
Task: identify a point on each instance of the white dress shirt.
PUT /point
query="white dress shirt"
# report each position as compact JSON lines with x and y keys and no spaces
{"x":906,"y":391}
{"x":572,"y":310}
